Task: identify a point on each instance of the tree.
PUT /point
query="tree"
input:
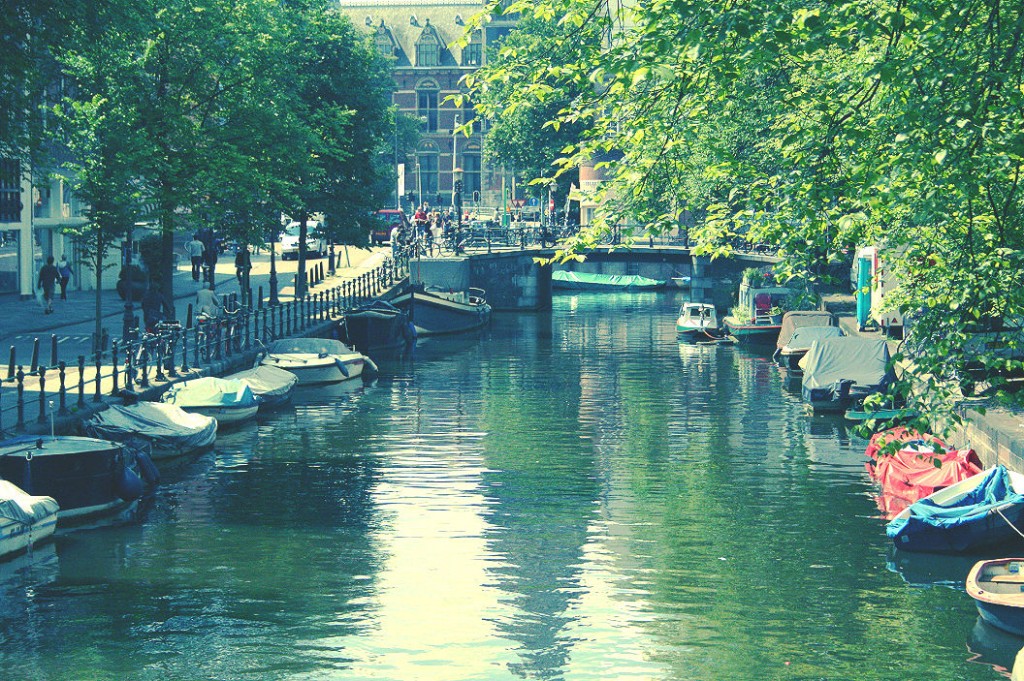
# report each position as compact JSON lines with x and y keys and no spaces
{"x":815,"y":128}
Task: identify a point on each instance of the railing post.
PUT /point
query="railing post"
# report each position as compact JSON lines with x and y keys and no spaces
{"x":99,"y":373}
{"x":62,"y":368}
{"x":249,"y":317}
{"x":144,"y":360}
{"x":195,"y":344}
{"x":188,"y":317}
{"x":259,"y":302}
{"x":20,"y":376}
{"x":113,"y":361}
{"x":159,"y":376}
{"x":171,"y":350}
{"x":288,"y":315}
{"x":81,"y":381}
{"x":184,"y":351}
{"x":42,"y":395}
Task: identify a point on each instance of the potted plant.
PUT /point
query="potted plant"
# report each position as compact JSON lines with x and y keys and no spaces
{"x":775,"y":314}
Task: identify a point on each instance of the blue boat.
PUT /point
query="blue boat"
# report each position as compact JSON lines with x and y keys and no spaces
{"x":984,"y":510}
{"x":997,"y":587}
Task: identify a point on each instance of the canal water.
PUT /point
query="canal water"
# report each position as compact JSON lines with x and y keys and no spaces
{"x":572,"y":495}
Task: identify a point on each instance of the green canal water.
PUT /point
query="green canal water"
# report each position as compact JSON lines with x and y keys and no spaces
{"x":572,"y":495}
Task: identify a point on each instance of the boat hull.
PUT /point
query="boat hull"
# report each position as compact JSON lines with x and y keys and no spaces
{"x":16,"y":537}
{"x":752,"y":333}
{"x":994,"y":527}
{"x":84,"y":475}
{"x":226,"y":415}
{"x":997,"y":587}
{"x":434,"y":315}
{"x":318,"y":371}
{"x":376,"y":329}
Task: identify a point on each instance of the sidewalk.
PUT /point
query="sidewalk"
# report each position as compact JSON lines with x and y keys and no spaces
{"x":25,"y":317}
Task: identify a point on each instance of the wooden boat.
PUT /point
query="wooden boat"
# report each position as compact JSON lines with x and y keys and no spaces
{"x":227,"y":401}
{"x":840,"y":372}
{"x":585,"y":281}
{"x":799,"y":329}
{"x":752,"y":321}
{"x":997,"y":587}
{"x":273,"y":387}
{"x":315,"y":360}
{"x":435,"y":311}
{"x":170,"y":430}
{"x":86,"y":476}
{"x":25,"y":520}
{"x":983,"y":510}
{"x":377,"y":325}
{"x":698,"y":321}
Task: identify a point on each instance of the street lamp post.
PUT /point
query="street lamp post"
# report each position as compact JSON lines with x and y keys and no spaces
{"x":273,"y":267}
{"x":419,"y":186}
{"x":128,"y":323}
{"x":457,"y":185}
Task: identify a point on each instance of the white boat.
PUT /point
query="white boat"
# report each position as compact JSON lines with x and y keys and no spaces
{"x":272,"y":387}
{"x":24,"y":519}
{"x":315,"y":360}
{"x":698,"y":321}
{"x":227,"y":401}
{"x":170,"y":430}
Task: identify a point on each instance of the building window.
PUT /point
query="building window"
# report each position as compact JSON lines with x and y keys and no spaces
{"x":471,"y":172}
{"x":10,"y":190}
{"x":428,"y":47}
{"x":428,"y":175}
{"x":426,"y":107}
{"x":469,"y":114}
{"x":473,"y":53}
{"x":383,"y":42}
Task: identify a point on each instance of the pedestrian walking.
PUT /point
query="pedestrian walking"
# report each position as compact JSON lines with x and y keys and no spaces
{"x":48,"y":278}
{"x":243,"y":264}
{"x":208,"y":302}
{"x":64,"y":270}
{"x":195,"y":249}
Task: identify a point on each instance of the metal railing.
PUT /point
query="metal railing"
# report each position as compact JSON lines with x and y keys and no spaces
{"x":28,"y":392}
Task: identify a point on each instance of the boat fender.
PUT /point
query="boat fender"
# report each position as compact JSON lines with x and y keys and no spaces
{"x":341,"y":367}
{"x":128,"y":485}
{"x":150,"y":473}
{"x":410,"y":331}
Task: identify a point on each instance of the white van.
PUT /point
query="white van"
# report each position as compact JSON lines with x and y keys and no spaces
{"x":316,"y":243}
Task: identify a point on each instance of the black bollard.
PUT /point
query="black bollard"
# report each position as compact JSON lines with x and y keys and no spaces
{"x":35,"y":356}
{"x":113,"y":361}
{"x":10,"y":364}
{"x":81,"y":381}
{"x":259,"y":301}
{"x":53,"y":349}
{"x":20,"y":376}
{"x":62,"y":373}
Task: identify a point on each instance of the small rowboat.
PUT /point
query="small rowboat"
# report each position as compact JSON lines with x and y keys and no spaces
{"x":997,"y":587}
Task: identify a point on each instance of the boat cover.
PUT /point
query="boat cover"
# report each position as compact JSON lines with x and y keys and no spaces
{"x":995,"y":489}
{"x":802,"y":338}
{"x":267,"y":381}
{"x":210,"y":391}
{"x":167,"y":426}
{"x":799,"y":319}
{"x":921,"y":466}
{"x":22,"y":507}
{"x":585,"y":280}
{"x":309,"y":346}
{"x":861,"y":360}
{"x":378,"y":309}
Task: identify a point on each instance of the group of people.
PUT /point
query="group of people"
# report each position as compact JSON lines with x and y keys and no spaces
{"x":50,"y":275}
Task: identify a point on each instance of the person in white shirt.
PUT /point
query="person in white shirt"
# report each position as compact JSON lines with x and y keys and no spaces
{"x":195,"y":250}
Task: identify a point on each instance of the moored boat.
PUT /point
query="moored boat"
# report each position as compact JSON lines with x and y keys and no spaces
{"x":752,"y":320}
{"x":997,"y":587}
{"x":227,"y":401}
{"x":273,"y":387}
{"x":315,"y":360}
{"x":586,"y":281}
{"x":840,"y":372}
{"x":698,"y":321}
{"x":377,"y":325}
{"x":435,"y":311}
{"x":25,"y":520}
{"x":86,"y":476}
{"x":799,"y":329}
{"x":983,"y":510}
{"x":170,"y":430}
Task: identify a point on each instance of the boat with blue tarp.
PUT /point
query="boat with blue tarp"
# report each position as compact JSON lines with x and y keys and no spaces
{"x":983,"y":510}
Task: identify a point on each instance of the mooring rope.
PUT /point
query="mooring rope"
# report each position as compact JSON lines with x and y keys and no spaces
{"x":1008,"y":522}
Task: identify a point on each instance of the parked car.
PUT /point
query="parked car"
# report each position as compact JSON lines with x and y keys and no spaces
{"x":316,"y":243}
{"x":385,"y":220}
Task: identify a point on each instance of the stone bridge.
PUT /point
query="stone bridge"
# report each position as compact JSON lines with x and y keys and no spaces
{"x":514,"y":281}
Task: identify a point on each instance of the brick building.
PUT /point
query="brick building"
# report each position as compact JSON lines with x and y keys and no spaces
{"x":420,"y":37}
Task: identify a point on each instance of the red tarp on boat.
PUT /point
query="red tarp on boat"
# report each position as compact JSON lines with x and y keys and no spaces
{"x":922,"y":465}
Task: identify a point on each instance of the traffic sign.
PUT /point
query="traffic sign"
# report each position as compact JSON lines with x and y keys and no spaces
{"x":533,"y":202}
{"x":519,"y":202}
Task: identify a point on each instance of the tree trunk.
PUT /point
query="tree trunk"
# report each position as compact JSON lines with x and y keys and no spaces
{"x":300,"y":274}
{"x":99,"y":299}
